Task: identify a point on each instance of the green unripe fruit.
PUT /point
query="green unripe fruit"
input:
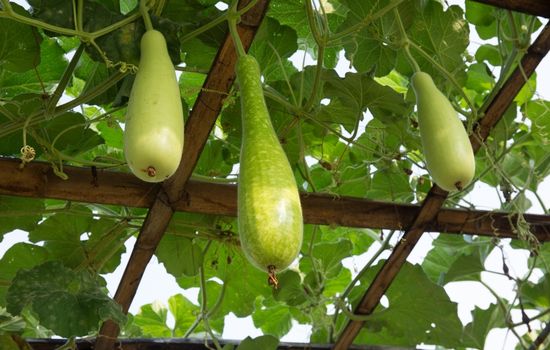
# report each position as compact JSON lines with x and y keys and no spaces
{"x":447,"y":148}
{"x":153,"y":136}
{"x":269,"y":209}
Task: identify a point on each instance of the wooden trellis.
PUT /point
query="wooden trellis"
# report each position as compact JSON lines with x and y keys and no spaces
{"x":181,"y":194}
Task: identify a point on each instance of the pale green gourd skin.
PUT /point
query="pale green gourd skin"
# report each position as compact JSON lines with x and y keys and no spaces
{"x":269,"y":210}
{"x":447,"y":148}
{"x":153,"y":136}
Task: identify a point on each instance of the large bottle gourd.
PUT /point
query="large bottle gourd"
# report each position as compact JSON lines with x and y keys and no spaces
{"x":269,"y":210}
{"x":447,"y":148}
{"x":153,"y":136}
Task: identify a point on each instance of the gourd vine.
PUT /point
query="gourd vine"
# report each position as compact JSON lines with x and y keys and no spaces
{"x":335,"y":82}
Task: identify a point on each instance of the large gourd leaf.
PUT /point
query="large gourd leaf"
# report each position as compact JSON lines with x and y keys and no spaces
{"x":68,"y":302}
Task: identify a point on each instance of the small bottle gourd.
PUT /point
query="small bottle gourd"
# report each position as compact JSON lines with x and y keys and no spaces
{"x":269,"y":210}
{"x":447,"y":148}
{"x":153,"y":136}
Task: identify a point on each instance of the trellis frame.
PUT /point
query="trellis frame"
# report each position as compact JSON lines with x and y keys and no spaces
{"x":179,"y":193}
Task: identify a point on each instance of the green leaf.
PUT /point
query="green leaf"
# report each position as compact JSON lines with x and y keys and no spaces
{"x":100,"y":248}
{"x":226,"y":262}
{"x":479,"y":14}
{"x":391,"y":183}
{"x":418,"y":311}
{"x":444,"y":35}
{"x":264,"y":342}
{"x":47,"y":73}
{"x":466,"y":268}
{"x":538,"y":112}
{"x":353,"y":94}
{"x":61,"y":236}
{"x":19,"y":213}
{"x":274,"y":320}
{"x":198,"y":55}
{"x":20,"y":256}
{"x":112,"y":133}
{"x":20,"y":49}
{"x":93,"y":74}
{"x":190,"y":85}
{"x":69,"y":303}
{"x":184,"y":312}
{"x":537,"y":294}
{"x":71,"y":134}
{"x":330,"y":256}
{"x":446,"y":251}
{"x":272,"y":46}
{"x":527,"y":91}
{"x":354,"y":181}
{"x":180,"y":255}
{"x":290,"y":290}
{"x":9,"y":323}
{"x":365,"y":48}
{"x":475,"y":332}
{"x":489,"y":53}
{"x":215,"y":160}
{"x":480,"y":78}
{"x":151,"y":319}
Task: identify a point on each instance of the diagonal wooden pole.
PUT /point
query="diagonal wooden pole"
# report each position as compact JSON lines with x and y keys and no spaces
{"x":531,"y":7}
{"x":436,"y":197}
{"x":197,"y":129}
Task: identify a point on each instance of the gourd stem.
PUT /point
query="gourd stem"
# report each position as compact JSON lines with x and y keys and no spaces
{"x":232,"y":18}
{"x":144,"y":10}
{"x":405,"y":40}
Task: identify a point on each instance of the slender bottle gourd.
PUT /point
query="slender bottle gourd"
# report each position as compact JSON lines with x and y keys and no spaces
{"x":153,"y":136}
{"x":447,"y":148}
{"x":269,"y":210}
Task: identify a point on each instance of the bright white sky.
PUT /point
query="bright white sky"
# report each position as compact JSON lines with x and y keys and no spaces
{"x":157,"y":285}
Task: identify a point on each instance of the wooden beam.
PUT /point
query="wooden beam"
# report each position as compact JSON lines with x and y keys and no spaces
{"x":500,"y":103}
{"x":197,"y":129}
{"x":530,"y":7}
{"x":184,"y":344}
{"x":37,"y":180}
{"x":436,"y":197}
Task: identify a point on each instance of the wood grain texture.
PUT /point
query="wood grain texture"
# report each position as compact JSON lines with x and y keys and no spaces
{"x":197,"y":129}
{"x":531,"y":7}
{"x":435,"y":199}
{"x":37,"y":180}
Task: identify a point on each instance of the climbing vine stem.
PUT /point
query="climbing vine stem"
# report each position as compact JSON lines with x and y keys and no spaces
{"x":320,"y":34}
{"x":232,"y":19}
{"x":64,"y":81}
{"x":144,"y":10}
{"x":8,"y":12}
{"x":405,"y":41}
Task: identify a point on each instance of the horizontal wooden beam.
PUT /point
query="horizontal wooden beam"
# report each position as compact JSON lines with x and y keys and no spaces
{"x":530,"y":7}
{"x":37,"y":180}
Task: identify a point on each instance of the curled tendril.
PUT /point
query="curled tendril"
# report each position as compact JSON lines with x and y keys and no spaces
{"x":27,"y":155}
{"x":123,"y":67}
{"x":59,"y":172}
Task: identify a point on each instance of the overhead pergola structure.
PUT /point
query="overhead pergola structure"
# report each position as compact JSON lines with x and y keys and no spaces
{"x":182,"y":194}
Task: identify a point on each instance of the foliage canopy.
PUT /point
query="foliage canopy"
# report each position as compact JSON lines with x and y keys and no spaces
{"x":352,"y":133}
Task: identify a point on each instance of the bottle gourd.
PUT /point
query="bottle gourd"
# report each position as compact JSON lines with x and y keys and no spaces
{"x":447,"y":148}
{"x":269,"y":210}
{"x":153,"y":136}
